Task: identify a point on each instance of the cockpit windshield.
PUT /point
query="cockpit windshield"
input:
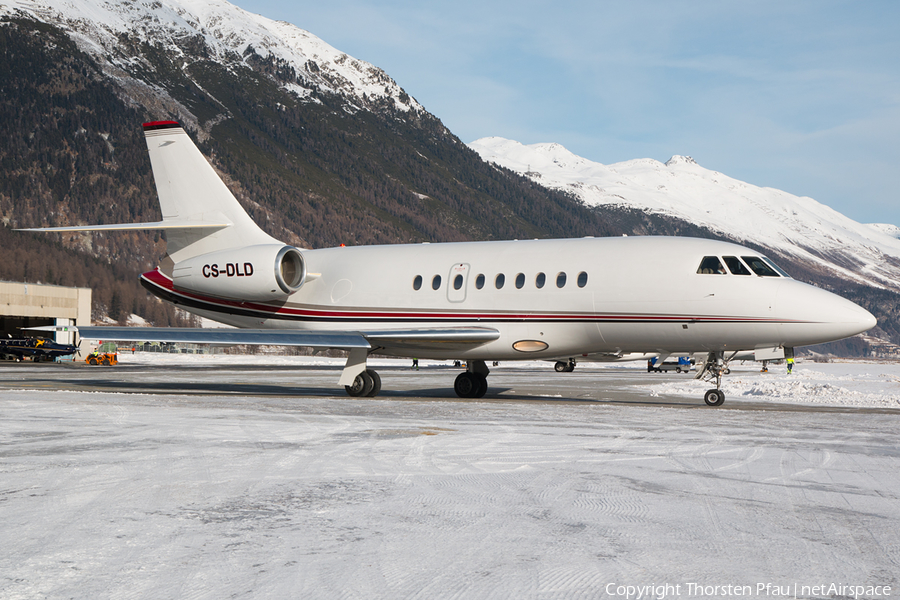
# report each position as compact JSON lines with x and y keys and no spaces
{"x":776,"y":267}
{"x":736,"y":266}
{"x":760,"y":267}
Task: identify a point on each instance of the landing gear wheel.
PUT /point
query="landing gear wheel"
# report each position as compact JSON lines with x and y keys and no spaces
{"x":376,"y":383}
{"x":470,"y":385}
{"x":465,"y":386}
{"x":482,"y":385}
{"x":714,"y":397}
{"x":362,"y":385}
{"x":560,"y":366}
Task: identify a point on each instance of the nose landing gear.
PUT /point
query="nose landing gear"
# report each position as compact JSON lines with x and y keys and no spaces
{"x":714,"y":367}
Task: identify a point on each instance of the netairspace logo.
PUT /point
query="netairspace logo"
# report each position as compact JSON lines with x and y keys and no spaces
{"x":666,"y":591}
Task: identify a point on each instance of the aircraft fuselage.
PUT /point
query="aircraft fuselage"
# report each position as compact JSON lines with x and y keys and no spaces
{"x":546,"y":297}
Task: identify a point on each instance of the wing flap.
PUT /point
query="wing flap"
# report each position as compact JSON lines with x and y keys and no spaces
{"x":450,"y":339}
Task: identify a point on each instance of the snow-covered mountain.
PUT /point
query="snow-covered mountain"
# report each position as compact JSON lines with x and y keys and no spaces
{"x":302,"y":62}
{"x":796,"y":226}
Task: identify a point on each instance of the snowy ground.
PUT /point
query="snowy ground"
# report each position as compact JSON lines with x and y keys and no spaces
{"x":286,"y":494}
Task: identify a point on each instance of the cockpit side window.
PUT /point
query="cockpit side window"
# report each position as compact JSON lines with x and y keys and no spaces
{"x":760,"y":267}
{"x":736,"y":266}
{"x":710,"y":265}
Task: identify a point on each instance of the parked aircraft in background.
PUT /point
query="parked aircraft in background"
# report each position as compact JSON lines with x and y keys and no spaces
{"x":474,"y":301}
{"x":34,"y":348}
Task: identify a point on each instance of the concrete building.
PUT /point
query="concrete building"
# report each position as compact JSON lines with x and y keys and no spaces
{"x":33,"y":305}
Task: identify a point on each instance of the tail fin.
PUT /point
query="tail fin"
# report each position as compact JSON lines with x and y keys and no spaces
{"x":200,"y":214}
{"x":191,"y":192}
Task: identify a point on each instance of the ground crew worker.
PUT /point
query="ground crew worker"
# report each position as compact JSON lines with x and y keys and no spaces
{"x":790,"y":364}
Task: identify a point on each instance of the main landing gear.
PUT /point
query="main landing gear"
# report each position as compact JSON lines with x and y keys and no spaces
{"x":714,"y":367}
{"x":367,"y":383}
{"x":472,"y":383}
{"x":565,"y":367}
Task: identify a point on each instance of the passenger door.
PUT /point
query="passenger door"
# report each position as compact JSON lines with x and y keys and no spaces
{"x":456,"y":282}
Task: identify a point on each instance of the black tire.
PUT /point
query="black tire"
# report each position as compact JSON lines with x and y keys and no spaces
{"x":376,"y":383}
{"x":570,"y":367}
{"x":482,"y":385}
{"x":466,"y":385}
{"x":560,"y":366}
{"x":714,"y":397}
{"x":93,"y":361}
{"x":361,"y":386}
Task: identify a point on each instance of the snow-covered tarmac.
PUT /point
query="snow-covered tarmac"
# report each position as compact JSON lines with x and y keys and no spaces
{"x":254,"y":477}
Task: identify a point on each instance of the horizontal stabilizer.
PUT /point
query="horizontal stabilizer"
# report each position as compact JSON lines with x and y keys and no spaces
{"x":137,"y":226}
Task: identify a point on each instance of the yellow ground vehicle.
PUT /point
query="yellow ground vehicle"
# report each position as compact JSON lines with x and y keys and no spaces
{"x":106,"y":359}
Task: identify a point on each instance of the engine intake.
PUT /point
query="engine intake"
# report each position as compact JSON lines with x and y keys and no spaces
{"x":255,"y":273}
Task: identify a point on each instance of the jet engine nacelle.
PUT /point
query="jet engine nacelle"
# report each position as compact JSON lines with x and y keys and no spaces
{"x":255,"y":273}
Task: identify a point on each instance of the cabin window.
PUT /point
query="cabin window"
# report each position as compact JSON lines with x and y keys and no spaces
{"x":776,"y":267}
{"x":457,"y":282}
{"x":760,"y":267}
{"x":710,"y":265}
{"x":582,"y":279}
{"x":436,"y":282}
{"x":540,"y":280}
{"x":500,"y":280}
{"x":520,"y":281}
{"x":479,"y":281}
{"x":736,"y":266}
{"x":561,"y":280}
{"x":417,"y":283}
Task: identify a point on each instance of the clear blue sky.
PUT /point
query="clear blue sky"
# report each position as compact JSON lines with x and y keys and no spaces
{"x":800,"y":95}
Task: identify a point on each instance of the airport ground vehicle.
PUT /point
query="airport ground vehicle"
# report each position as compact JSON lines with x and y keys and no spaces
{"x":106,"y":359}
{"x":683,"y":364}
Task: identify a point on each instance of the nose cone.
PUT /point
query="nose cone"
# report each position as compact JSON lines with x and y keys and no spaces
{"x":820,"y":316}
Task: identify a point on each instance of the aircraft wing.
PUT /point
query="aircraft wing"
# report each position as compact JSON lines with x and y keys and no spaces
{"x":398,"y":340}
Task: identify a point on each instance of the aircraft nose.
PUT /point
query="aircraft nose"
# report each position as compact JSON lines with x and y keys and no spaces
{"x":841,"y":317}
{"x":854,"y":317}
{"x":818,"y":316}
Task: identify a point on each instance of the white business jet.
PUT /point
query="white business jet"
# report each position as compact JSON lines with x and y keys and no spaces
{"x":473,"y":301}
